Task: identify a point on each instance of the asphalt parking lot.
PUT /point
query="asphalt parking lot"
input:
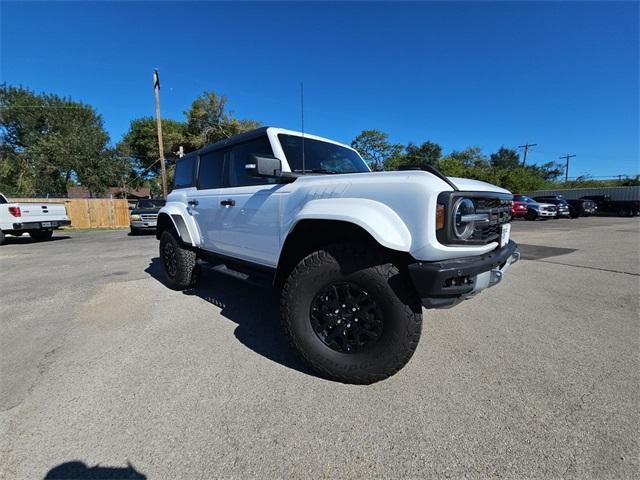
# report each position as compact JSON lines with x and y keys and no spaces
{"x":104,"y":366}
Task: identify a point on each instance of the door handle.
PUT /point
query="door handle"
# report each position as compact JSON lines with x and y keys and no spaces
{"x":193,"y":203}
{"x":228,"y":203}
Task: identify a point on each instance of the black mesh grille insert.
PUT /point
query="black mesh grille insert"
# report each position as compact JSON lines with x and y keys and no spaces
{"x":499,"y":210}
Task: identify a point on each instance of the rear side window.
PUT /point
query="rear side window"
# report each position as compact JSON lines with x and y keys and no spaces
{"x":240,"y":157}
{"x":185,"y":172}
{"x":210,"y":171}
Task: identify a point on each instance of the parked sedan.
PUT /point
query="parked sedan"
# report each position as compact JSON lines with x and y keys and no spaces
{"x":536,"y":210}
{"x":145,"y":215}
{"x":562,"y":207}
{"x":582,"y":208}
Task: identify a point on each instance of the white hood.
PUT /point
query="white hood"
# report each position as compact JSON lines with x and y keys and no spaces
{"x":468,"y":184}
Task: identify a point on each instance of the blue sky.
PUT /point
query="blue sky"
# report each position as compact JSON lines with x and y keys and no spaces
{"x":562,"y":75}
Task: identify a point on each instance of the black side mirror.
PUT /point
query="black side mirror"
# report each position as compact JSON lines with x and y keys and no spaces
{"x":263,"y":166}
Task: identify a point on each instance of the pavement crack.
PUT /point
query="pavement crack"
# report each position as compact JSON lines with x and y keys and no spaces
{"x":590,"y":268}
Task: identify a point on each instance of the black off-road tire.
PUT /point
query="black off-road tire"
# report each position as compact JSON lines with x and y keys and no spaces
{"x":385,"y":284}
{"x":178,"y":263}
{"x":41,"y":235}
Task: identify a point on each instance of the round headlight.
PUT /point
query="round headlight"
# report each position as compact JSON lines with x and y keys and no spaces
{"x":463,"y":228}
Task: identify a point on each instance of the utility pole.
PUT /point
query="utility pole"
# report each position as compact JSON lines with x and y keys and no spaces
{"x":566,"y":170}
{"x":156,"y":88}
{"x":526,"y":149}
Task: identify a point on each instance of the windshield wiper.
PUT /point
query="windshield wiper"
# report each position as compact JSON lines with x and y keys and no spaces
{"x":315,"y":170}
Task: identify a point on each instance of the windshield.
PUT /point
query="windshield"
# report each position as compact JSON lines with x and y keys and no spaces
{"x":319,"y":156}
{"x":150,"y":203}
{"x":523,"y":198}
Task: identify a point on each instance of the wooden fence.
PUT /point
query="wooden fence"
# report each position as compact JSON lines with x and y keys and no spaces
{"x":90,"y":212}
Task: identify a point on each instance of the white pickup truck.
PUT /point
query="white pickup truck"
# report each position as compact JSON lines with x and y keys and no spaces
{"x":355,"y":254}
{"x":37,"y":219}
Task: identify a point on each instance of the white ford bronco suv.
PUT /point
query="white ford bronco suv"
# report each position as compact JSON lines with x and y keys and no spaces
{"x":355,"y":254}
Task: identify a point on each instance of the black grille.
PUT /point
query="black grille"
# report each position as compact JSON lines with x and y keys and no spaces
{"x":499,"y":210}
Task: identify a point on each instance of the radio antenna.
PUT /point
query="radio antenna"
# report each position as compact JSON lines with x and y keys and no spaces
{"x":302,"y":121}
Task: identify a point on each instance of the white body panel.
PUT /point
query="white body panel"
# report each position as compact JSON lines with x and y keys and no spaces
{"x":396,"y":208}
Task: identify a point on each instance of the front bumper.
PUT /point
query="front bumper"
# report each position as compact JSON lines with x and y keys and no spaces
{"x":41,"y":225}
{"x":141,"y":224}
{"x":444,"y":284}
{"x":545,"y":213}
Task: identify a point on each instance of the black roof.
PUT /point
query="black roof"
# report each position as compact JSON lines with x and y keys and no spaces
{"x":241,"y":137}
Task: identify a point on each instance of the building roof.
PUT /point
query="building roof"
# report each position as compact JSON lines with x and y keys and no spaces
{"x":83,"y":192}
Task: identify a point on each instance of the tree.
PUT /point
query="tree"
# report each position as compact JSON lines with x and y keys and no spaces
{"x":208,"y":121}
{"x":375,"y":148}
{"x":505,"y":158}
{"x":425,"y":154}
{"x":46,"y":140}
{"x":104,"y":171}
{"x":140,"y":143}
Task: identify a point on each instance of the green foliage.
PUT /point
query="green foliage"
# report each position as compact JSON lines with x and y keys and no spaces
{"x":47,"y":141}
{"x":500,"y":168}
{"x":376,"y":150}
{"x":208,"y":121}
{"x":426,"y":154}
{"x":140,"y":143}
{"x":505,"y":158}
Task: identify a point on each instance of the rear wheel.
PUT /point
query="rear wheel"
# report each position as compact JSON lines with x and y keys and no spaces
{"x":178,"y":263}
{"x":351,"y":315}
{"x":41,"y":235}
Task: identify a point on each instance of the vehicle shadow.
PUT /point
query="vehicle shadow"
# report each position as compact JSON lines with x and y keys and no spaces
{"x":79,"y":470}
{"x":252,"y":307}
{"x":26,"y":239}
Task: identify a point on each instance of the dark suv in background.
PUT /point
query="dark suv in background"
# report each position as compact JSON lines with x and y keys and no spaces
{"x":144,"y":215}
{"x":582,"y":207}
{"x":563,"y":210}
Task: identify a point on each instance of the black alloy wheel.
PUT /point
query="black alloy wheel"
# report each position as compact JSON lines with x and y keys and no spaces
{"x":170,"y":259}
{"x":346,"y":318}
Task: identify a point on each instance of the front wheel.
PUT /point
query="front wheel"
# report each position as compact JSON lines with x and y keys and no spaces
{"x":351,"y":315}
{"x":531,"y":215}
{"x":41,"y":235}
{"x":178,"y":263}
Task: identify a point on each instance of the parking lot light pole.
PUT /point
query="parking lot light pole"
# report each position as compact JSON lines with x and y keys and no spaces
{"x":156,"y":87}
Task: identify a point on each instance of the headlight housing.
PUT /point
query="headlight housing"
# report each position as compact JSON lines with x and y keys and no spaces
{"x":464,"y":218}
{"x":135,"y":216}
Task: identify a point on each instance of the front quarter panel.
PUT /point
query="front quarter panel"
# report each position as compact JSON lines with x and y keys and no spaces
{"x":379,"y":220}
{"x":179,"y":209}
